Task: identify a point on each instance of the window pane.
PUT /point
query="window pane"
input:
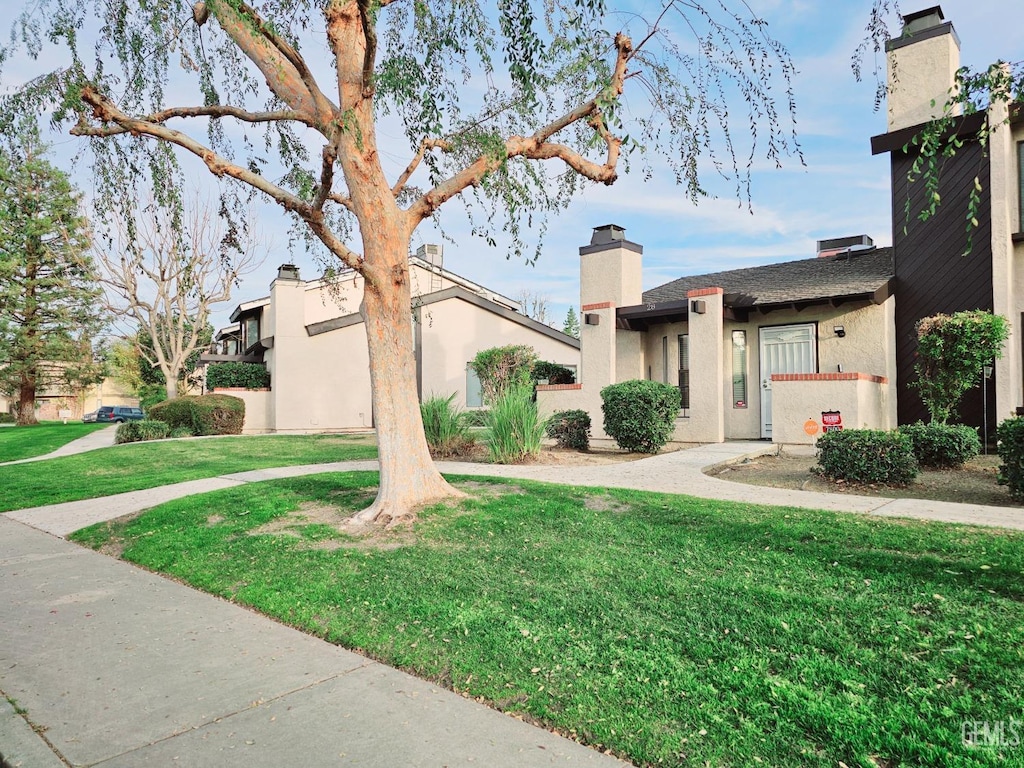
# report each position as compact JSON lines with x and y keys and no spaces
{"x":684,"y":370}
{"x":474,"y":392}
{"x":1020,"y":185}
{"x":739,"y":369}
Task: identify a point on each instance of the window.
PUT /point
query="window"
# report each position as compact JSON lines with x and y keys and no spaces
{"x":252,"y":331}
{"x":684,"y":372}
{"x":664,"y":360}
{"x":739,"y":369}
{"x":1020,"y":186}
{"x":474,"y":392}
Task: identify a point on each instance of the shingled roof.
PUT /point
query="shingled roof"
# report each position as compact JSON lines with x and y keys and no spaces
{"x":809,"y":280}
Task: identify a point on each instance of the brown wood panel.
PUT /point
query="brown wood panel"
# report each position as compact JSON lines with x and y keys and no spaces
{"x":933,"y":274}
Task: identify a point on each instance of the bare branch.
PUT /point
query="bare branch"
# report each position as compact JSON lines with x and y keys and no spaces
{"x":425,"y":145}
{"x":215,"y":112}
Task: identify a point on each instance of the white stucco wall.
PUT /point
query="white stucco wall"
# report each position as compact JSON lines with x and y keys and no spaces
{"x":919,"y":74}
{"x":257,"y":408}
{"x":862,"y":400}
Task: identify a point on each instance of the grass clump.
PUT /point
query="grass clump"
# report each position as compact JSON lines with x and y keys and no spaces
{"x":445,"y":427}
{"x":667,"y":629}
{"x":515,"y":429}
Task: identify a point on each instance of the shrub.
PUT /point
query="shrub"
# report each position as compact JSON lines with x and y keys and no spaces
{"x":951,"y":351}
{"x":150,"y":395}
{"x":515,"y":427}
{"x":180,"y":432}
{"x":137,"y":431}
{"x":203,"y":414}
{"x":244,"y":375}
{"x":867,"y":456}
{"x":503,"y":368}
{"x":1011,"y":453}
{"x":552,"y":372}
{"x":943,"y":446}
{"x":476,"y":418}
{"x":640,"y":415}
{"x":445,"y":427}
{"x":7,"y":418}
{"x":570,"y":429}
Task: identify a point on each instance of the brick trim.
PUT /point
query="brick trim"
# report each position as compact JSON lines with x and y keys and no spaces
{"x":698,"y":292}
{"x":829,"y":377}
{"x":602,"y":305}
{"x":557,"y":387}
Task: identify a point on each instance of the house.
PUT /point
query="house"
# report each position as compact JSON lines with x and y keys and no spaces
{"x":57,"y":401}
{"x":785,"y":351}
{"x":311,"y":338}
{"x":757,"y":353}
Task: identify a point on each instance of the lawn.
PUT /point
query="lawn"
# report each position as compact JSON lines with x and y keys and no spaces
{"x":147,"y":465}
{"x":668,"y":629}
{"x":40,"y":439}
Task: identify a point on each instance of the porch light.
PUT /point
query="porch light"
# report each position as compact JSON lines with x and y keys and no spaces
{"x":698,"y":306}
{"x":839,"y":331}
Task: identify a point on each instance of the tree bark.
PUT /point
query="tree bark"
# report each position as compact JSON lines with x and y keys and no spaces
{"x":408,"y":477}
{"x":171,"y":386}
{"x":27,"y":402}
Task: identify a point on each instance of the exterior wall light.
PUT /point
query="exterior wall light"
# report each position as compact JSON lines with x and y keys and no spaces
{"x":839,"y":331}
{"x":698,"y":306}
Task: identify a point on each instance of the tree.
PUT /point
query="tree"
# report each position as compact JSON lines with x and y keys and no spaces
{"x":534,"y":305}
{"x":547,"y":90}
{"x":952,"y":351}
{"x":571,"y":326}
{"x":168,"y":278}
{"x":48,"y":287}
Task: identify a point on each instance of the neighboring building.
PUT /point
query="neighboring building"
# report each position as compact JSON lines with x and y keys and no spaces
{"x":938,"y":269}
{"x":310,"y":336}
{"x":52,"y":402}
{"x":778,"y":351}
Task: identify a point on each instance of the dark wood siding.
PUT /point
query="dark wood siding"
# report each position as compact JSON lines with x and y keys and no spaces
{"x":932,"y":272}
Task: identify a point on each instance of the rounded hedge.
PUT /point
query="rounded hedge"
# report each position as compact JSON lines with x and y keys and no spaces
{"x":570,"y":429}
{"x":867,"y":456}
{"x":1011,"y":455}
{"x":243,"y":375}
{"x":137,"y":431}
{"x":943,"y":446}
{"x":640,"y":415}
{"x":202,"y":414}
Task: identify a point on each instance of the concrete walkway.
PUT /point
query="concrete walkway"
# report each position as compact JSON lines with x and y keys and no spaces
{"x":118,"y":667}
{"x":101,"y":438}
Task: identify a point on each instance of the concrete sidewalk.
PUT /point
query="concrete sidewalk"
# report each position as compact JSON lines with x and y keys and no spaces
{"x":101,"y":438}
{"x":119,"y":667}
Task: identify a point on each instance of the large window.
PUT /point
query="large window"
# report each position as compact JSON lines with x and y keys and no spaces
{"x":684,"y":372}
{"x":1020,"y":186}
{"x":474,"y":392}
{"x":739,"y":369}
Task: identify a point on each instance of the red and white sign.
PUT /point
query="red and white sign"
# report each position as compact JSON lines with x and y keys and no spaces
{"x":831,"y":421}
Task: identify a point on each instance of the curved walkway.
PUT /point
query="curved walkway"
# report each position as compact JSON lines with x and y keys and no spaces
{"x":101,"y":438}
{"x":117,"y":667}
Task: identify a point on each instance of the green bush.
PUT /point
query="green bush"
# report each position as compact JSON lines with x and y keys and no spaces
{"x":137,"y":431}
{"x":943,"y":446}
{"x":503,"y":368}
{"x":445,"y":427}
{"x":180,"y":432}
{"x":7,"y":418}
{"x":570,"y":429}
{"x":515,"y":428}
{"x":553,"y":373}
{"x":244,"y":375}
{"x":867,"y":456}
{"x":150,"y":395}
{"x":1011,"y":453}
{"x":203,"y":414}
{"x":640,"y":415}
{"x":475,"y":418}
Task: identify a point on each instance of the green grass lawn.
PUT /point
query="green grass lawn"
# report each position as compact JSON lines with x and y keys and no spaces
{"x":668,"y":629}
{"x":146,"y":465}
{"x":40,"y":439}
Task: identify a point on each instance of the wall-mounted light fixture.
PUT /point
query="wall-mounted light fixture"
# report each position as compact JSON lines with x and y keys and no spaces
{"x":591,"y":319}
{"x":839,"y":331}
{"x":698,"y":306}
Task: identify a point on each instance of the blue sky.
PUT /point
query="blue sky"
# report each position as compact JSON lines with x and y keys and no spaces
{"x":841,"y":191}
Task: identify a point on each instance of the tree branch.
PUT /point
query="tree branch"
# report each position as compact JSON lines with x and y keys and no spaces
{"x":415,"y":163}
{"x":215,"y":112}
{"x":537,"y":146}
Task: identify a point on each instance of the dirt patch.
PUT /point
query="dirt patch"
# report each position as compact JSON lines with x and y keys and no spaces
{"x":974,"y":484}
{"x":489,"y":490}
{"x":606,"y":453}
{"x":308,"y":513}
{"x":604,"y":504}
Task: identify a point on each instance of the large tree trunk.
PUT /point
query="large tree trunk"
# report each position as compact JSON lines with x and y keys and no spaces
{"x":171,"y":386}
{"x":27,"y":401}
{"x":408,"y":477}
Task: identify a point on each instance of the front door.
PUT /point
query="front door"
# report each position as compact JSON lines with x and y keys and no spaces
{"x":784,"y":349}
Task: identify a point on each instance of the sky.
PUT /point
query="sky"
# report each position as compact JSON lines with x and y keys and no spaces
{"x":841,"y":189}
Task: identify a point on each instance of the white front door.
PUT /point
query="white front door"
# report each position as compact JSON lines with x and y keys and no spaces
{"x":784,"y":349}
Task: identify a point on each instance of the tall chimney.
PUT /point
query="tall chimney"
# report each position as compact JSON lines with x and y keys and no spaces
{"x":922,"y":64}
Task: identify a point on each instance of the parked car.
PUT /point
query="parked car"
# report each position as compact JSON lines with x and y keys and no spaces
{"x":118,"y":414}
{"x":89,"y":418}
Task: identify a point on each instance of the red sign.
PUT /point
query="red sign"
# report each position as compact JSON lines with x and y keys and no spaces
{"x":831,"y":421}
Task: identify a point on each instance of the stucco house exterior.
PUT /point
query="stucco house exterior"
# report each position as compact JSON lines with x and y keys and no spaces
{"x":311,"y":338}
{"x":784,"y":351}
